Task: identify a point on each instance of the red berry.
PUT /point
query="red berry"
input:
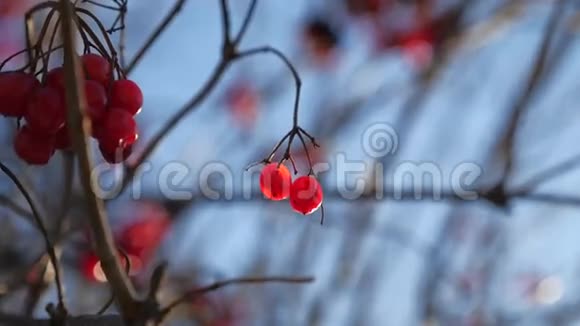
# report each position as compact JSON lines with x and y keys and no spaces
{"x":243,"y":101}
{"x":91,"y":268}
{"x":55,"y":79}
{"x":127,"y":95}
{"x":306,"y":195}
{"x":275,"y":182}
{"x":15,"y":90}
{"x":96,"y":100}
{"x":33,"y":148}
{"x":62,"y":139}
{"x":97,"y":68}
{"x":143,"y":237}
{"x":115,"y":155}
{"x":46,"y":112}
{"x":118,"y":129}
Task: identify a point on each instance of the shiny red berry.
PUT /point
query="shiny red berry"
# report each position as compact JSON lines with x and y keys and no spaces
{"x":32,"y":148}
{"x":55,"y":79}
{"x":306,"y":195}
{"x":117,"y":130}
{"x":45,"y":112}
{"x":275,"y":181}
{"x":96,"y":100}
{"x":15,"y":90}
{"x":96,"y":68}
{"x":127,"y":95}
{"x":115,"y":155}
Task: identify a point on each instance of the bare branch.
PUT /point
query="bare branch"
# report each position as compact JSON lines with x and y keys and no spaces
{"x":295,"y":75}
{"x":155,"y":35}
{"x":236,"y":281}
{"x":39,"y":221}
{"x":225,"y":12}
{"x":246,"y":23}
{"x":537,"y":72}
{"x":79,"y":126}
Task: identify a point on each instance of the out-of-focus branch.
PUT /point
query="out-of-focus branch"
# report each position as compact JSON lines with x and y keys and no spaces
{"x":236,"y":281}
{"x":10,"y":320}
{"x":155,"y":35}
{"x":15,"y":208}
{"x":407,"y":195}
{"x":536,"y":74}
{"x":48,"y":243}
{"x":79,"y":126}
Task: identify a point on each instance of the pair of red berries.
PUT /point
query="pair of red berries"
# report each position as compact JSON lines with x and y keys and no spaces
{"x":112,"y":106}
{"x":305,"y":193}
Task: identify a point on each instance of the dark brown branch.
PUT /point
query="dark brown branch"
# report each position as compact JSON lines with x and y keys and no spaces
{"x":48,"y":243}
{"x":79,"y":126}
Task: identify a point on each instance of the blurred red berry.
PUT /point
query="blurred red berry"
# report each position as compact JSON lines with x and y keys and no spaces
{"x":55,"y":79}
{"x":275,"y":182}
{"x":243,"y":101}
{"x":62,"y":139}
{"x":127,"y":95}
{"x":306,"y":195}
{"x":96,"y":68}
{"x":418,"y":46}
{"x":91,"y":268}
{"x":46,"y":111}
{"x":96,"y":100}
{"x":32,"y":148}
{"x":93,"y":272}
{"x":15,"y":90}
{"x":142,"y":237}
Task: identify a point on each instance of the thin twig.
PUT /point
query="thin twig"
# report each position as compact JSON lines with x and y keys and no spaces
{"x":236,"y":281}
{"x":170,"y":125}
{"x":534,"y":79}
{"x":246,"y":23}
{"x":289,"y":65}
{"x":225,"y":21}
{"x":153,"y":38}
{"x":49,"y":246}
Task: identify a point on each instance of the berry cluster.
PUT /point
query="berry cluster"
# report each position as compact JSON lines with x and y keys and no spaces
{"x":111,"y":107}
{"x":305,"y":192}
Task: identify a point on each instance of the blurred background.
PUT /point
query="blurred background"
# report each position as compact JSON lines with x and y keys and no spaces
{"x":488,"y":86}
